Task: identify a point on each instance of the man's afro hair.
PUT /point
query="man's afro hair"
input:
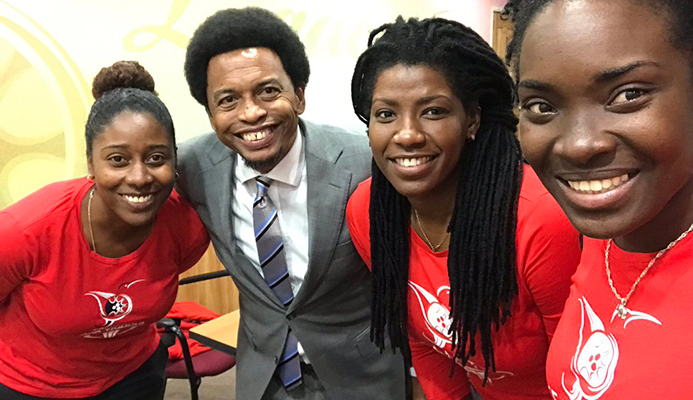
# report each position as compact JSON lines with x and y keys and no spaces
{"x":233,"y":29}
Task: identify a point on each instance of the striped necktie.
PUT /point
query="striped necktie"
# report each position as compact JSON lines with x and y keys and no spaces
{"x":270,"y":251}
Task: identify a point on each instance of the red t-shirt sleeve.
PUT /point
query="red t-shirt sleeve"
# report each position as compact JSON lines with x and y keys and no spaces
{"x":193,"y":239}
{"x":551,"y":255}
{"x":197,"y":248}
{"x":358,"y":220}
{"x":15,"y":256}
{"x":428,"y":363}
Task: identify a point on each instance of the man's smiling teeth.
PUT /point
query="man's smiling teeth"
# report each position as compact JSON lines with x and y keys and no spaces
{"x":254,"y":136}
{"x":412,"y":162}
{"x":599,"y":186}
{"x":138,"y":199}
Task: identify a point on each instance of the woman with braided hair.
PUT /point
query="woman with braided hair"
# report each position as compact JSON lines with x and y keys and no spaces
{"x":605,"y":90}
{"x":88,"y":265}
{"x":471,"y":256}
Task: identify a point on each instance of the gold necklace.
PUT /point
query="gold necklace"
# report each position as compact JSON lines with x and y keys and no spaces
{"x":91,"y":229}
{"x":428,"y":242}
{"x":621,"y":307}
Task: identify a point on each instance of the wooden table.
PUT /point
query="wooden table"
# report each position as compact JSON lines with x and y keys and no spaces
{"x":220,"y":333}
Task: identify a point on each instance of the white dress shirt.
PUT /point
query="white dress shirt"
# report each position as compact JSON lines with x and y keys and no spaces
{"x":289,"y":194}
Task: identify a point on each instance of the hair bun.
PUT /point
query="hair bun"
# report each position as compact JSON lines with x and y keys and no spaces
{"x":122,"y":74}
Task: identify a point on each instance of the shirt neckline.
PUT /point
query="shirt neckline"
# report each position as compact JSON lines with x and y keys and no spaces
{"x":618,"y":254}
{"x":419,"y":243}
{"x":287,"y":171}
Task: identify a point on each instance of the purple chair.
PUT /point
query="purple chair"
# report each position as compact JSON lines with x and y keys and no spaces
{"x":209,"y":363}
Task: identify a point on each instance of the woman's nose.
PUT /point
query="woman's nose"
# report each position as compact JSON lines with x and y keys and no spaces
{"x":584,"y":139}
{"x":409,"y":134}
{"x":139,"y":175}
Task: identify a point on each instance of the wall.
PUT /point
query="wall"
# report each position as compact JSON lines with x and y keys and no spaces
{"x":50,"y":51}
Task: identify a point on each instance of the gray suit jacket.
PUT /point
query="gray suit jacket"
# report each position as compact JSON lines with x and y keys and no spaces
{"x":330,"y":315}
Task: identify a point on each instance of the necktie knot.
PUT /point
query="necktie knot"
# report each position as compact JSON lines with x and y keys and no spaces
{"x":263,"y":184}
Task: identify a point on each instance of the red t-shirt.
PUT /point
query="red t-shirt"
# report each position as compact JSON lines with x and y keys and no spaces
{"x":649,"y":355}
{"x":547,"y":254}
{"x":73,"y":323}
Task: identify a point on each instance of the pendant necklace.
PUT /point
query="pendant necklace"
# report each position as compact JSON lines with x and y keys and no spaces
{"x":91,"y":228}
{"x":621,"y":309}
{"x":425,"y":237}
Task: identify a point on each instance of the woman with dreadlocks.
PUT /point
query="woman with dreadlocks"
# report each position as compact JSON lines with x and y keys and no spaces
{"x":471,"y":257}
{"x":606,"y":96}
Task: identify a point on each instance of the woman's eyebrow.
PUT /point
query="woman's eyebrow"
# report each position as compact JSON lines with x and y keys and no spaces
{"x":534,"y":84}
{"x":615,"y":73}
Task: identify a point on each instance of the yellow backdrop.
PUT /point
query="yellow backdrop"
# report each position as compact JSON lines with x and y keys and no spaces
{"x":51,"y":50}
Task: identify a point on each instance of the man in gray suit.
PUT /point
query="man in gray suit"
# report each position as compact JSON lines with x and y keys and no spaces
{"x":311,"y":339}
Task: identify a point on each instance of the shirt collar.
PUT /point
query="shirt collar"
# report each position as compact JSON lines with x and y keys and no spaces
{"x":288,"y":170}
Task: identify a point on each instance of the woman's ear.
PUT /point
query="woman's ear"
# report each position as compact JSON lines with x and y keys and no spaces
{"x":473,"y":122}
{"x":90,"y":167}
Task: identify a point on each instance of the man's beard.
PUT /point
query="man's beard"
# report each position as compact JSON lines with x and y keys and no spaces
{"x":265,"y":165}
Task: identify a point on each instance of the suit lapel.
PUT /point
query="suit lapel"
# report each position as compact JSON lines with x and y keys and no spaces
{"x":328,"y":191}
{"x":224,"y":161}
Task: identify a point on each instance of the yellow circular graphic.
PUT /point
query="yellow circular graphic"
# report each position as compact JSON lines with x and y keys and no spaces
{"x":24,"y":165}
{"x":28,"y":112}
{"x":44,"y":101}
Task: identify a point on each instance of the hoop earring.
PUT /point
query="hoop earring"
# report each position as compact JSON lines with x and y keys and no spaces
{"x":177,"y":176}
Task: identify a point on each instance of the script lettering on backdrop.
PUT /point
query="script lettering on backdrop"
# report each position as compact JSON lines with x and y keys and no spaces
{"x":323,"y":35}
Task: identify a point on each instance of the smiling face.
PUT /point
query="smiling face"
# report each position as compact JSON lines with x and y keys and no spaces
{"x":607,"y":119}
{"x":133,"y":165}
{"x":418,"y":128}
{"x":253,"y":106}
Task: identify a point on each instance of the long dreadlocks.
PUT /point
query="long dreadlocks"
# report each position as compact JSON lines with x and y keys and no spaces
{"x":481,"y":261}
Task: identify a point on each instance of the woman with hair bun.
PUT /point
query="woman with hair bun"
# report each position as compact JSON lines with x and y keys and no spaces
{"x":88,"y":265}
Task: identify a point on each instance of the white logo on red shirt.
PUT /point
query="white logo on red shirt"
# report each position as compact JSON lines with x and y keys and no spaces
{"x":473,"y":369}
{"x":112,"y":308}
{"x":436,"y":315}
{"x":595,"y":361}
{"x":634,"y":316}
{"x":437,"y":318}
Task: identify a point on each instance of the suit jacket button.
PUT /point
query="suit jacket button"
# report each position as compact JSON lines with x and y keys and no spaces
{"x":290,"y":316}
{"x":276,"y":360}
